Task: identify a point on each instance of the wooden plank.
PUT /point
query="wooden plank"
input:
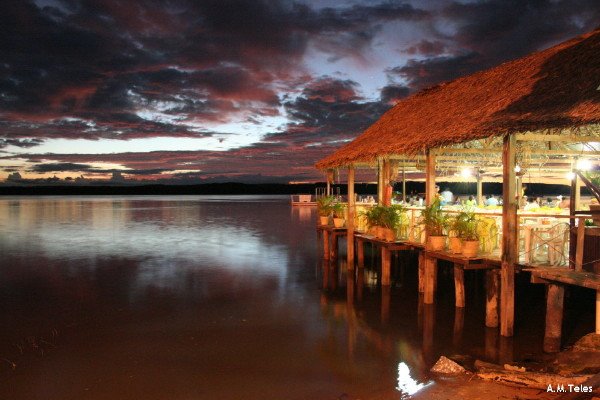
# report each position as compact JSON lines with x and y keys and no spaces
{"x":492,"y":288}
{"x":509,"y":237}
{"x":385,"y":266}
{"x":585,"y":279}
{"x":580,"y":241}
{"x":350,"y":220}
{"x":459,"y":286}
{"x":554,"y":316}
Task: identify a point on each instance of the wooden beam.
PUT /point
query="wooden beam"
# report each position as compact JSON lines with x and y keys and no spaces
{"x":380,"y":182}
{"x":509,"y":237}
{"x":536,"y":137}
{"x":554,"y":316}
{"x":479,"y":190}
{"x":350,"y":221}
{"x":403,"y":184}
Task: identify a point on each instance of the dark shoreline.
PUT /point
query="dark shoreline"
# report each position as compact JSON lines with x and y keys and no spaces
{"x":234,"y":188}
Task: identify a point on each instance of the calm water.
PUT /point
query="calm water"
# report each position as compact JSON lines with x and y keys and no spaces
{"x":214,"y":297}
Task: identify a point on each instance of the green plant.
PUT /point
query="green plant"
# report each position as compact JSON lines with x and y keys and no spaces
{"x":434,"y":219}
{"x":324,"y":205}
{"x":373,"y":216}
{"x":338,"y":209}
{"x":468,"y":226}
{"x":391,"y":216}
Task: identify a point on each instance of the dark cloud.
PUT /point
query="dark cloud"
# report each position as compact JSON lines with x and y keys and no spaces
{"x":390,"y":94}
{"x":25,"y":143}
{"x":483,"y":34}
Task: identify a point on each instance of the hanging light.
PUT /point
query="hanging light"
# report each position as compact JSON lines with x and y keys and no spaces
{"x":466,"y":173}
{"x":571,"y":175}
{"x":517,"y":168}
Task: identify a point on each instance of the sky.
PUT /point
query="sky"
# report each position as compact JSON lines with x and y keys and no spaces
{"x":182,"y":91}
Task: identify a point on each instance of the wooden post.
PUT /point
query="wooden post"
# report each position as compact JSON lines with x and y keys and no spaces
{"x":597,"y":312}
{"x":580,"y":244}
{"x":421,"y":271}
{"x":479,"y":190}
{"x":385,"y":266}
{"x":333,"y":247}
{"x":430,"y":192}
{"x":350,"y":221}
{"x":360,"y":253}
{"x":459,"y":324}
{"x":554,"y":316}
{"x":403,"y":182}
{"x":459,"y":285}
{"x":509,"y":237}
{"x":430,"y":279}
{"x":491,"y":304}
{"x":380,"y":181}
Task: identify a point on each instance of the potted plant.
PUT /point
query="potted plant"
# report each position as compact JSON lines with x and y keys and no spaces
{"x":435,"y":222}
{"x":390,"y":220}
{"x":373,"y":216}
{"x":469,"y":234}
{"x":324,"y":208}
{"x":455,"y":228}
{"x":338,"y":210}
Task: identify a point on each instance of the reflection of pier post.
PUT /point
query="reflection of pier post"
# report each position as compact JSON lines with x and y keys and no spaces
{"x":350,"y":315}
{"x":360,"y":284}
{"x":428,"y":328}
{"x":385,"y":304}
{"x":491,"y":344}
{"x":492,"y":284}
{"x":325,"y":233}
{"x":459,"y":324}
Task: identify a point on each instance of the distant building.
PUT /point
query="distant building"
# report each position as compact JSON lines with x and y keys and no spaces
{"x":117,"y":177}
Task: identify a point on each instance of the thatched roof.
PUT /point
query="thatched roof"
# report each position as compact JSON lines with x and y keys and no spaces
{"x":547,"y":91}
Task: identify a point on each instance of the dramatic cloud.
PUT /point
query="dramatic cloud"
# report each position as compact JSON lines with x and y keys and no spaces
{"x":261,"y":88}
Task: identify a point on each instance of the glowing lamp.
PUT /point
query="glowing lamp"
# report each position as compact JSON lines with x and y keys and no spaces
{"x":571,"y":175}
{"x":466,"y":173}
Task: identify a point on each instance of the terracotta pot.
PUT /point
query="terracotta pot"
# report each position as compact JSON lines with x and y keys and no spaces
{"x":323,"y":220}
{"x":380,"y":233}
{"x":437,"y":243}
{"x":338,"y":222}
{"x":373,"y":231}
{"x":455,"y":245}
{"x":390,"y":235}
{"x":595,"y":217}
{"x":470,"y":248}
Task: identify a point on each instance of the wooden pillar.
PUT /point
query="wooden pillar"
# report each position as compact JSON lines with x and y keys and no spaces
{"x":430,"y":192}
{"x":554,"y":316}
{"x":597,"y":312}
{"x":572,"y":209}
{"x":360,"y":253}
{"x":459,"y":324}
{"x":333,"y":247}
{"x":329,"y":180}
{"x":459,"y":286}
{"x":403,"y":182}
{"x":421,"y":271}
{"x":380,"y":181}
{"x":509,"y":237}
{"x":385,"y":266}
{"x":430,"y":279}
{"x":492,"y":286}
{"x":350,"y":221}
{"x":479,"y":190}
{"x":580,"y":244}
